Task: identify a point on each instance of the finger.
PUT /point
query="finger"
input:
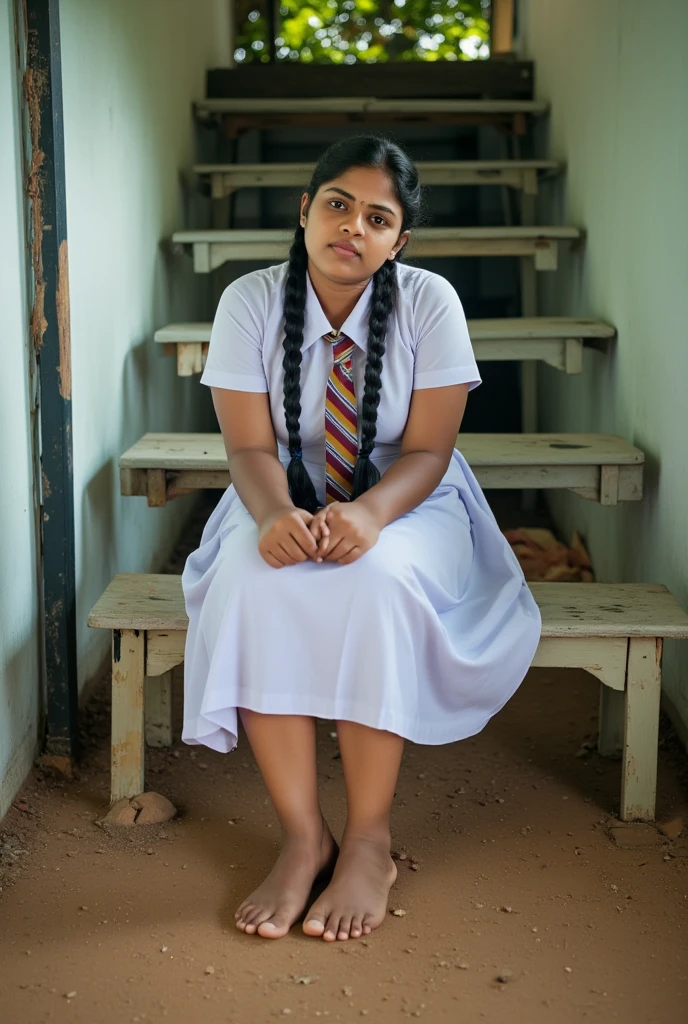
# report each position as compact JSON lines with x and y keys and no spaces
{"x":297,"y":553}
{"x":272,"y":561}
{"x":285,"y":555}
{"x":336,"y":550}
{"x":351,"y":556}
{"x":303,"y":537}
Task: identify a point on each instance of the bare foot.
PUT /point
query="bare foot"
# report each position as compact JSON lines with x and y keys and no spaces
{"x":355,"y":901}
{"x":272,"y":909}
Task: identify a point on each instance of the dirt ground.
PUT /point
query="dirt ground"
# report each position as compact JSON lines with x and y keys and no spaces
{"x":507,"y":869}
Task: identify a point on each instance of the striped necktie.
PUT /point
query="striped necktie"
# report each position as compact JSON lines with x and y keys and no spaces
{"x":341,"y":433}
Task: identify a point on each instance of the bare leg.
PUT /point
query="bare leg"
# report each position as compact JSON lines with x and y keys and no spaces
{"x":284,"y":747}
{"x":355,"y":901}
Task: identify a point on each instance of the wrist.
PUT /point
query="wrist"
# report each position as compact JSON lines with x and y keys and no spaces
{"x":369,"y":505}
{"x":272,"y":512}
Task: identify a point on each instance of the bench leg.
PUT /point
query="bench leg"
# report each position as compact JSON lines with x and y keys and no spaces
{"x":612,"y":716}
{"x":641,"y":728}
{"x":126,"y":750}
{"x":158,"y":703}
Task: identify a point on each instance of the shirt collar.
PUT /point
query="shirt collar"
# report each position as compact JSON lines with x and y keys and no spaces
{"x":354,"y":327}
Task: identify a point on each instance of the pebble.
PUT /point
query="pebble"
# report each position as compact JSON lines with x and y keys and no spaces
{"x":398,"y":912}
{"x":505,"y":976}
{"x":69,"y":995}
{"x":210,"y":969}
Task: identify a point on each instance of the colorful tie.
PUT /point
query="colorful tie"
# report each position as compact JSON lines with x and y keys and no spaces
{"x":341,"y":433}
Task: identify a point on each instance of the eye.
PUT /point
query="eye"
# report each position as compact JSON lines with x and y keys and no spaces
{"x":337,"y":201}
{"x":382,"y":219}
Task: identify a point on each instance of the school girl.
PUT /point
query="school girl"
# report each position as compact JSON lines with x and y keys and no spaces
{"x":353,"y":570}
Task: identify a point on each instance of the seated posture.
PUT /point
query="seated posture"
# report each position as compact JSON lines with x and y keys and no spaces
{"x":353,"y":570}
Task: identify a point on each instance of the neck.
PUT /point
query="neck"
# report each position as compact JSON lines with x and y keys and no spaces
{"x":337,"y":298}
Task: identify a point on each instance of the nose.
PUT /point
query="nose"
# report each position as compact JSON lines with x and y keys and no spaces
{"x":353,"y":222}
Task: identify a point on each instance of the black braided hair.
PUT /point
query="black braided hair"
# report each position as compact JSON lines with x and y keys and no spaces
{"x":360,"y":151}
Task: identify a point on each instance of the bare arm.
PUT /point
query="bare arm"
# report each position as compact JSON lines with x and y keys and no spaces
{"x":434,"y":419}
{"x":260,"y":479}
{"x":255,"y":470}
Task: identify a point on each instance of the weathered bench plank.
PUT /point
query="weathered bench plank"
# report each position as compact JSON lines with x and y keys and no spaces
{"x":239,"y":115}
{"x":225,"y":179}
{"x":557,"y":341}
{"x":613,"y":631}
{"x":599,"y":467}
{"x":212,"y":248}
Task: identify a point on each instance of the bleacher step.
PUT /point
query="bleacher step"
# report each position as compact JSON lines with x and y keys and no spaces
{"x":557,"y":341}
{"x":599,"y":467}
{"x":212,"y":248}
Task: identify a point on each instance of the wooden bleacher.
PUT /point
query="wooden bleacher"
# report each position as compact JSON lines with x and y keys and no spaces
{"x":238,"y":115}
{"x":602,"y":468}
{"x":212,"y":248}
{"x":225,"y":179}
{"x":557,"y":341}
{"x":613,"y":631}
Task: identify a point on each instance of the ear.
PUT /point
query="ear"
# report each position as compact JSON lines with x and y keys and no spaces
{"x":304,"y":210}
{"x":400,"y":243}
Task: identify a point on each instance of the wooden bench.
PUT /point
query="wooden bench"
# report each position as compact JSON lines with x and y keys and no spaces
{"x":613,"y":631}
{"x":239,"y":115}
{"x":212,"y":248}
{"x":225,"y":179}
{"x":557,"y":341}
{"x":599,"y":467}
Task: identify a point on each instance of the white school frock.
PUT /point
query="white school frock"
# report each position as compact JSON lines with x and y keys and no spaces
{"x":433,"y":629}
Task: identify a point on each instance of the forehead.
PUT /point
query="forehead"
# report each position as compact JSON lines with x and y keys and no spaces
{"x":372,"y":185}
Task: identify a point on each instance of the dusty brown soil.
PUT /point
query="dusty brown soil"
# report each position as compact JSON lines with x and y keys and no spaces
{"x":517,"y":877}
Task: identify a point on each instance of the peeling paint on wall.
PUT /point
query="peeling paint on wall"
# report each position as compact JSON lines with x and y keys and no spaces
{"x":65,"y":365}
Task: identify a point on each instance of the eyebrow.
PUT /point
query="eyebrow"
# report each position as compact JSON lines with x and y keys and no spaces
{"x":373,"y":206}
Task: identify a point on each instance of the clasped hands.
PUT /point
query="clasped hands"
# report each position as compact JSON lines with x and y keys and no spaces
{"x":340,"y":532}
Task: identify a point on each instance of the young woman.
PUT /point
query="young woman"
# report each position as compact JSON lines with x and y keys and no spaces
{"x":353,"y":570}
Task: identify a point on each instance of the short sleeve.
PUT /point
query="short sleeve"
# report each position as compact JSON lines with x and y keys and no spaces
{"x":235,"y":353}
{"x":444,"y":354}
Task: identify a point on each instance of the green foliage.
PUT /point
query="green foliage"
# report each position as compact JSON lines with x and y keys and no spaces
{"x":349,"y":31}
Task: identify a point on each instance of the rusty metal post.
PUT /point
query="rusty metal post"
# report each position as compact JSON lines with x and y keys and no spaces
{"x":50,"y":331}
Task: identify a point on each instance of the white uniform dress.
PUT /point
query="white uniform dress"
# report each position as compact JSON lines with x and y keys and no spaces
{"x":430,"y":632}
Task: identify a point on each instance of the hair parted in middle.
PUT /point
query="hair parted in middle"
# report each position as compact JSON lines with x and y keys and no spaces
{"x":360,"y":151}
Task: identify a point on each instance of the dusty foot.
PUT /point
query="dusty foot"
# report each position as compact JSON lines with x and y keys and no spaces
{"x":278,"y":902}
{"x":355,"y":901}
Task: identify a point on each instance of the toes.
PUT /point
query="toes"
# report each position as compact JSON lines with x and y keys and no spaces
{"x":275,"y":928}
{"x":331,"y":927}
{"x":344,"y":929}
{"x":243,"y":911}
{"x":315,"y":923}
{"x":356,"y":929}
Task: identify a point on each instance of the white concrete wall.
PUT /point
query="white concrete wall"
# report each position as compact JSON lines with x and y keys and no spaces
{"x":130,"y":71}
{"x":19,"y":623}
{"x":616,"y":75}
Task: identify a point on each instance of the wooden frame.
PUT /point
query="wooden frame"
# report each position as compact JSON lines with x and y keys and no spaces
{"x":556,"y":341}
{"x":599,"y":467}
{"x":613,"y":631}
{"x":213,"y":248}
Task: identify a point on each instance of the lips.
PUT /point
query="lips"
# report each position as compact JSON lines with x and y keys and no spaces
{"x":345,"y":248}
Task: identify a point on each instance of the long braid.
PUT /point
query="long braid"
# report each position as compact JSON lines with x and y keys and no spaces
{"x":366,"y":474}
{"x":360,"y":151}
{"x":301,"y":487}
